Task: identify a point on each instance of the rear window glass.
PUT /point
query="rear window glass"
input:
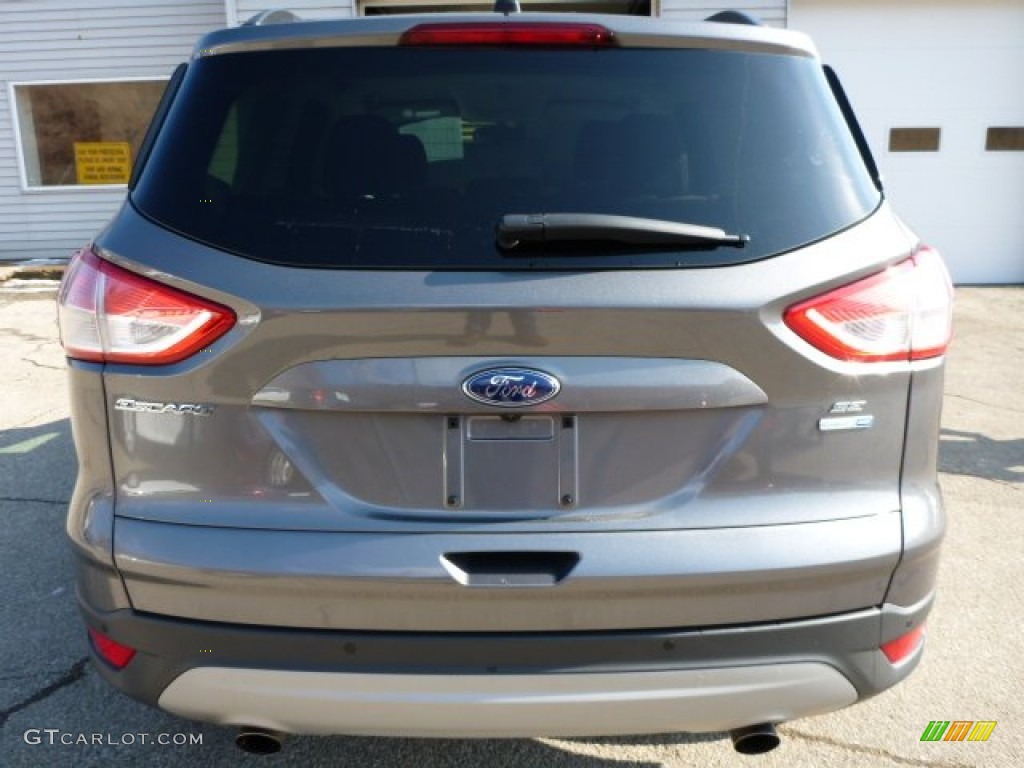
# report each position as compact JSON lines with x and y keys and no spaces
{"x":408,"y":157}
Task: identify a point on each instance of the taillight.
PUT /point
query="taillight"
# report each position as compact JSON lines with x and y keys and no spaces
{"x":509,"y":33}
{"x":108,"y":314}
{"x":111,"y":651}
{"x":904,"y":645}
{"x":903,"y":313}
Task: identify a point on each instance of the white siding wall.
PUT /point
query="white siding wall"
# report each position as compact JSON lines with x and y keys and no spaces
{"x":771,"y":12}
{"x":69,"y":40}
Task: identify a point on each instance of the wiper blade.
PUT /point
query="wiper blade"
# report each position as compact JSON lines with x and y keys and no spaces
{"x":515,"y":229}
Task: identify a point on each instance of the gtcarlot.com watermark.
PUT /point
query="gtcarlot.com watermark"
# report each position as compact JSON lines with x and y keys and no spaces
{"x":55,"y":737}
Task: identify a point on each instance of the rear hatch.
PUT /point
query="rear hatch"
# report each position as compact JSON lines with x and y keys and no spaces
{"x":399,"y":365}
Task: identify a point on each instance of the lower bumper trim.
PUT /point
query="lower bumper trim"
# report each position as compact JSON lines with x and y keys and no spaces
{"x":505,"y":706}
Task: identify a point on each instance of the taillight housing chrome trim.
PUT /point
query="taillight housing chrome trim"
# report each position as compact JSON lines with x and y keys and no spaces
{"x":109,"y":314}
{"x":903,"y":313}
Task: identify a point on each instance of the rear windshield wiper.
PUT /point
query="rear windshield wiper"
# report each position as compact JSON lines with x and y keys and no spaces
{"x":515,"y":229}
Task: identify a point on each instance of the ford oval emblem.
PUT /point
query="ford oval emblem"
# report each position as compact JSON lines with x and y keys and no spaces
{"x":511,"y":387}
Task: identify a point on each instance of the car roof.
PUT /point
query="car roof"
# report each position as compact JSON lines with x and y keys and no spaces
{"x":629,"y":32}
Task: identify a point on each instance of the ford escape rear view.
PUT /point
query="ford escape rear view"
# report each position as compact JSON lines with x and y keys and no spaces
{"x":505,"y":376}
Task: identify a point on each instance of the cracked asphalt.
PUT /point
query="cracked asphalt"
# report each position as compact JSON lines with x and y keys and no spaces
{"x":973,"y":667}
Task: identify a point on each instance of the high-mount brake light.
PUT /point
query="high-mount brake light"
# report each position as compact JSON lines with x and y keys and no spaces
{"x":108,"y":314}
{"x":903,"y":313}
{"x":509,"y":33}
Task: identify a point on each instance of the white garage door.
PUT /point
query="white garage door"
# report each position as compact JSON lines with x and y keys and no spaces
{"x":953,"y":72}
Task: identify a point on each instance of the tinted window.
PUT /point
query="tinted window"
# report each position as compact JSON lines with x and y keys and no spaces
{"x":393,"y":157}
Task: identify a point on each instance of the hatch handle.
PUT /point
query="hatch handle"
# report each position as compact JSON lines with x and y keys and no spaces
{"x":509,"y":569}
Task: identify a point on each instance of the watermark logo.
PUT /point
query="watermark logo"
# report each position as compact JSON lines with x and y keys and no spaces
{"x":54,"y":736}
{"x":958,"y":730}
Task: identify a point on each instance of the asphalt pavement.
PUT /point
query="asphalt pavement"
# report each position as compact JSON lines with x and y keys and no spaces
{"x":55,"y":711}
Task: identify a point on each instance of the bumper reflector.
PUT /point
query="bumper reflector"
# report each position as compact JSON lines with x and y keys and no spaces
{"x":111,"y":651}
{"x":904,"y":645}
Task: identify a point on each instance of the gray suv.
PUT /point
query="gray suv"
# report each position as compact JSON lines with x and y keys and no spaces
{"x":505,"y":375}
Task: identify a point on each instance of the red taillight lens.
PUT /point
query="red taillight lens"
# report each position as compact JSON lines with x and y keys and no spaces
{"x":903,"y":313}
{"x":508,"y":33}
{"x":904,"y":645}
{"x":111,"y":651}
{"x":108,"y":314}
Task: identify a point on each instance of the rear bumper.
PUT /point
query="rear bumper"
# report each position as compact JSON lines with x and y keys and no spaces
{"x":506,"y":684}
{"x":318,"y":632}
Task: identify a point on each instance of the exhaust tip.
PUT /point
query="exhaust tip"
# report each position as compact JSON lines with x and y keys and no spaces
{"x":755,"y":739}
{"x":257,"y":741}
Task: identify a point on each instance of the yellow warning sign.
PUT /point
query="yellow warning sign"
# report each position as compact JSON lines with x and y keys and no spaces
{"x":103,"y":162}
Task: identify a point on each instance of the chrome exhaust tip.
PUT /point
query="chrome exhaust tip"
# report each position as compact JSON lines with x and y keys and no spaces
{"x":755,"y":739}
{"x":258,"y":741}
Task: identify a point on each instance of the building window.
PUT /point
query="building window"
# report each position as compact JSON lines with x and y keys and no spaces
{"x":82,"y":133}
{"x":1004,"y":139}
{"x":617,"y":7}
{"x":914,"y":139}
